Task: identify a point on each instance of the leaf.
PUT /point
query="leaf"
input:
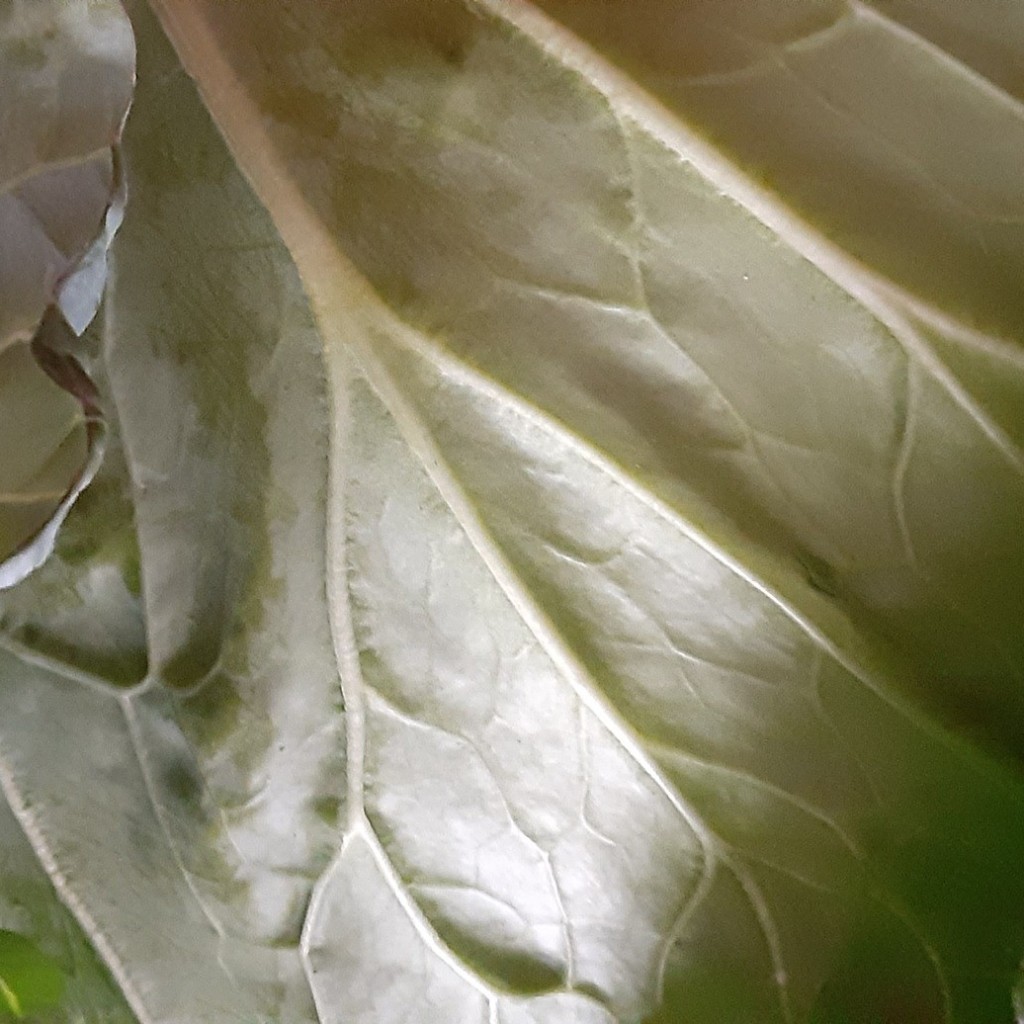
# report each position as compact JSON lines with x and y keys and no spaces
{"x":66,"y":72}
{"x":30,"y":981}
{"x":203,"y":920}
{"x":46,"y":964}
{"x":600,"y":604}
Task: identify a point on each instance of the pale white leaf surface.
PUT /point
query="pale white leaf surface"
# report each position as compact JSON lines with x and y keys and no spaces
{"x":599,"y":604}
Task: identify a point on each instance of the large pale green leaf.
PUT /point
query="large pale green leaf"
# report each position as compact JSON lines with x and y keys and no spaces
{"x":602,"y":602}
{"x":66,"y":72}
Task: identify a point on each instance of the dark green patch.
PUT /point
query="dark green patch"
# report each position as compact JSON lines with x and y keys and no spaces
{"x":454,"y":52}
{"x":30,"y":982}
{"x":25,"y":55}
{"x":819,"y":574}
{"x":131,"y":571}
{"x":508,"y":969}
{"x":117,"y":666}
{"x":882,"y":977}
{"x":181,"y":780}
{"x":194,"y":660}
{"x":213,"y":713}
{"x":713,"y":992}
{"x":328,"y":810}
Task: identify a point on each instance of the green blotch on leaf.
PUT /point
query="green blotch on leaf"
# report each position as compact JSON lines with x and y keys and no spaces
{"x":27,"y":54}
{"x":182,"y":781}
{"x":29,"y":980}
{"x":328,"y":810}
{"x":214,"y":712}
{"x":819,"y":574}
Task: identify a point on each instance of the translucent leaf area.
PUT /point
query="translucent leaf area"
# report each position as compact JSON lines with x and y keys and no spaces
{"x":560,"y":559}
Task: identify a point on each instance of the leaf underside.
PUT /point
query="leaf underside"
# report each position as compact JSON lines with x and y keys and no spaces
{"x":559,"y":558}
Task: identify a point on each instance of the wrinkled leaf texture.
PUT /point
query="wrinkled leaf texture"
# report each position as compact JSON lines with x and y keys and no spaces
{"x":561,"y":563}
